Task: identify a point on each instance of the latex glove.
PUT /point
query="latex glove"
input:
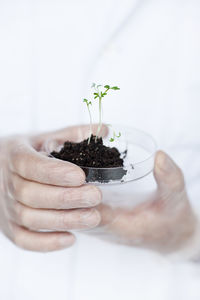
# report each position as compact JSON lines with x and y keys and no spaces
{"x":42,"y":193}
{"x":166,"y":223}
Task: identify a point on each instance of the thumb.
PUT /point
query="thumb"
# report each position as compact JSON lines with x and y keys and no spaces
{"x":72,"y":133}
{"x":168,"y":175}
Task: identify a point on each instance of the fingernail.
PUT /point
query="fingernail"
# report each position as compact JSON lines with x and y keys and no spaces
{"x":90,"y":218}
{"x":92,"y":196}
{"x":66,"y":240}
{"x":75,"y":178}
{"x":165,"y":163}
{"x":103,"y":131}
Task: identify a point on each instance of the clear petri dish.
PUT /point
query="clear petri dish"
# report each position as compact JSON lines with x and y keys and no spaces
{"x":128,"y":186}
{"x":124,"y":188}
{"x":139,"y":149}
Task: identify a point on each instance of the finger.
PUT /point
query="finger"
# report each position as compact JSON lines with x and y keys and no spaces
{"x":73,"y":134}
{"x":38,"y":195}
{"x":124,"y":225}
{"x":137,"y":226}
{"x":168,"y":175}
{"x":79,"y":133}
{"x":30,"y":164}
{"x":41,"y":241}
{"x":37,"y":219}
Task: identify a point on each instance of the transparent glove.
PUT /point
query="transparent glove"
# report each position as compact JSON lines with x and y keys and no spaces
{"x":41,"y":198}
{"x":164,"y":223}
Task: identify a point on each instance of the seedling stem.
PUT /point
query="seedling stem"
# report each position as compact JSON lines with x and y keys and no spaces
{"x":88,"y":103}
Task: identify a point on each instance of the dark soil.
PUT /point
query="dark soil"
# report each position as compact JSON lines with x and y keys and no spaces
{"x":95,"y":155}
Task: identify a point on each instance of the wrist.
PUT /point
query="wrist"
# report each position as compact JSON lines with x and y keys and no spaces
{"x":190,"y":249}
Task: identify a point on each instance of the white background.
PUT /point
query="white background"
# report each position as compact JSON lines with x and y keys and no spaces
{"x":50,"y":52}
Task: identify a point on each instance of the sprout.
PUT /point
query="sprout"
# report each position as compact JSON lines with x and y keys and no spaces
{"x":112,"y":139}
{"x":100,"y":94}
{"x":88,"y":103}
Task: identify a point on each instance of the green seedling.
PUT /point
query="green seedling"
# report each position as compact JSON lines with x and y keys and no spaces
{"x":88,"y":103}
{"x":112,"y":139}
{"x":100,"y":94}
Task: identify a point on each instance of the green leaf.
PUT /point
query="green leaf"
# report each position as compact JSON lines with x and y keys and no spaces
{"x":111,"y":140}
{"x":96,"y":94}
{"x":93,"y":85}
{"x":119,"y":134}
{"x":115,"y":88}
{"x":107,"y":86}
{"x":85,"y":100}
{"x":96,"y":97}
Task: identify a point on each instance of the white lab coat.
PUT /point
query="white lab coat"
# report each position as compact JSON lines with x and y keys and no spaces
{"x":50,"y":52}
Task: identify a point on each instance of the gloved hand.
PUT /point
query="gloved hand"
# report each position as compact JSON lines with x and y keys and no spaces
{"x":42,"y":193}
{"x":165,"y":223}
